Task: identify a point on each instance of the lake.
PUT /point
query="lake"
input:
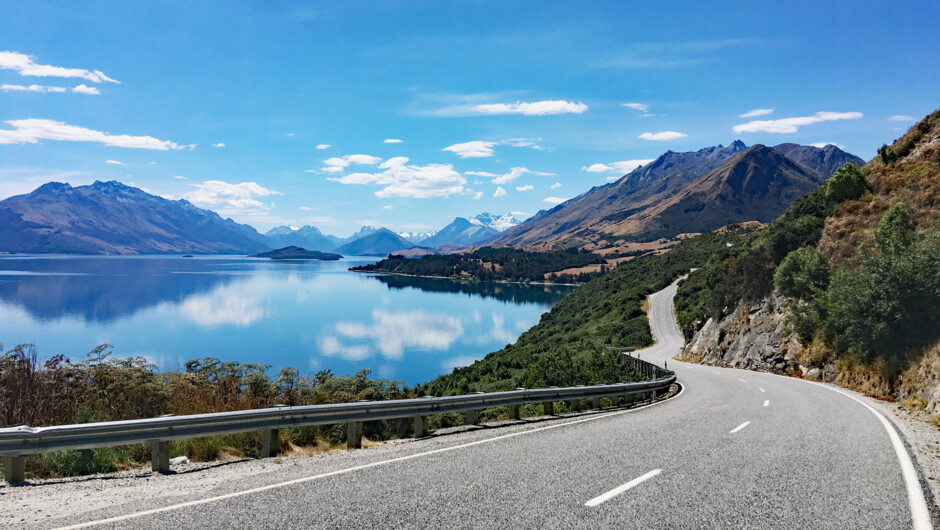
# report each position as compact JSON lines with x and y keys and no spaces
{"x":312,"y":315}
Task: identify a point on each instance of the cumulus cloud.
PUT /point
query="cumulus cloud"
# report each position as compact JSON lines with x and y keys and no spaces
{"x":530,"y":108}
{"x":340,"y":163}
{"x":478,"y":195}
{"x":755,"y":113}
{"x":636,"y":106}
{"x":791,"y":125}
{"x":481,"y":173}
{"x":323,"y":146}
{"x":500,"y":192}
{"x":902,"y":117}
{"x":527,"y":187}
{"x":403,"y":180}
{"x":87,"y":90}
{"x":31,"y":131}
{"x":220,"y":144}
{"x":555,"y":186}
{"x":554,"y":200}
{"x":597,"y":168}
{"x":392,"y":141}
{"x":218,"y":194}
{"x":25,"y":65}
{"x":474,"y":149}
{"x":824,"y":144}
{"x":115,"y":162}
{"x":513,"y":174}
{"x":623,"y":166}
{"x":663,"y":135}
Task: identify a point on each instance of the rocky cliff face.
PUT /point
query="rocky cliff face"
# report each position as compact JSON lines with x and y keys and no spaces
{"x":752,"y":337}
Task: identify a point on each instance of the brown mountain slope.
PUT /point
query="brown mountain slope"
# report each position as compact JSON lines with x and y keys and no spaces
{"x":756,"y":185}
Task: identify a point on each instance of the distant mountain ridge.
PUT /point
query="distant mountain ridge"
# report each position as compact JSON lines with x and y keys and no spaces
{"x":113,"y":218}
{"x":380,"y":242}
{"x":635,"y":206}
{"x":308,"y":237}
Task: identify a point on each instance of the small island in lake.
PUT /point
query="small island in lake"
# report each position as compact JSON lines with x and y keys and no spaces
{"x":293,"y":252}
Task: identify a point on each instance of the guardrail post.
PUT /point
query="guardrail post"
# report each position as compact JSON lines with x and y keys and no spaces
{"x":160,"y":456}
{"x":354,"y":435}
{"x":13,"y":469}
{"x":514,"y":412}
{"x":597,"y":403}
{"x":472,"y":417}
{"x":420,"y":427}
{"x":548,"y":408}
{"x":269,"y":443}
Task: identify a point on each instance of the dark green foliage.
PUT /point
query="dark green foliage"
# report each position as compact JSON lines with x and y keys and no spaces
{"x":887,"y":154}
{"x":492,"y":264}
{"x":847,"y":183}
{"x":567,"y":346}
{"x":895,"y":232}
{"x":803,"y":274}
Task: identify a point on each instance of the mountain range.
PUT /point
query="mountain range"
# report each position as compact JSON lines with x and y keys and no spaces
{"x":681,"y":193}
{"x":112,"y":218}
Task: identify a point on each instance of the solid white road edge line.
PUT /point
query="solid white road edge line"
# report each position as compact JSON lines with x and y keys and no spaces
{"x":739,"y":427}
{"x":358,"y":468}
{"x":766,"y":402}
{"x":915,"y":494}
{"x":714,"y":372}
{"x":620,"y":489}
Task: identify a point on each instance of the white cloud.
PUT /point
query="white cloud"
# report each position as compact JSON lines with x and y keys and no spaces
{"x":402,"y":180}
{"x":481,"y":173}
{"x":533,"y":108}
{"x":220,"y":144}
{"x":524,"y":142}
{"x":555,"y":186}
{"x":31,"y":88}
{"x":527,"y":187}
{"x":332,"y":347}
{"x":513,"y":174}
{"x":306,"y":208}
{"x":663,"y":135}
{"x":623,"y":166}
{"x":115,"y":162}
{"x":544,"y":174}
{"x":791,"y":125}
{"x":824,"y":144}
{"x":31,"y":131}
{"x":755,"y":113}
{"x":218,"y":194}
{"x":636,"y":106}
{"x":179,"y":177}
{"x":457,"y":362}
{"x":87,"y":90}
{"x":478,"y":195}
{"x":323,"y":146}
{"x":597,"y":168}
{"x":474,"y":149}
{"x":25,"y":65}
{"x":500,"y":192}
{"x":902,"y":117}
{"x":225,"y":306}
{"x":387,"y":207}
{"x":554,"y":200}
{"x":392,"y":141}
{"x":339,"y":164}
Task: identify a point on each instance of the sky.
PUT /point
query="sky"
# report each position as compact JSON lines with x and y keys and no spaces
{"x":406,"y":114}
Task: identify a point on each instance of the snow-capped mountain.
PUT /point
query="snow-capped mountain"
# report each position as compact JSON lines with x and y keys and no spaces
{"x":496,"y":222}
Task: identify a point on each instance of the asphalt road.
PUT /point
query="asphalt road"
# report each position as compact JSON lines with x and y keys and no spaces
{"x":735,"y":449}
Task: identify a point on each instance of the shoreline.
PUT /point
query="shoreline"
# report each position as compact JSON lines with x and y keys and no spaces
{"x":466,"y":280}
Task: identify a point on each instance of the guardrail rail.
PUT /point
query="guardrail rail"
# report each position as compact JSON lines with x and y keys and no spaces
{"x":16,"y":442}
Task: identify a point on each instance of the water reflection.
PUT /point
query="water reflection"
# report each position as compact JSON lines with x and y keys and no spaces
{"x":311,"y":315}
{"x":516,"y":293}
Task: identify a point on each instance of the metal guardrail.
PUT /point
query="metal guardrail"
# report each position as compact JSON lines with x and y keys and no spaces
{"x":15,"y":442}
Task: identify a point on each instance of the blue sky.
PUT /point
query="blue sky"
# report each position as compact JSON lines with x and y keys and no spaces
{"x":499,"y":106}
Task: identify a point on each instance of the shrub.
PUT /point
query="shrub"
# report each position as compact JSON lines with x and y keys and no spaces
{"x":847,"y":183}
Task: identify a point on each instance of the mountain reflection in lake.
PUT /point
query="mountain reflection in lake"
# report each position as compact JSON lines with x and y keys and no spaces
{"x":309,"y":314}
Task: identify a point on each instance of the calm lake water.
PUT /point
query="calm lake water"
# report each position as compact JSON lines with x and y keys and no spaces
{"x":313,"y":315}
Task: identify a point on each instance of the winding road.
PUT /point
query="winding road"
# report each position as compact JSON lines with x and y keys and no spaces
{"x":735,"y":449}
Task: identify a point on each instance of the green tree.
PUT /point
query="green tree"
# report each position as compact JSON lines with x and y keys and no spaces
{"x":895,"y":232}
{"x":803,"y":274}
{"x":847,"y":183}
